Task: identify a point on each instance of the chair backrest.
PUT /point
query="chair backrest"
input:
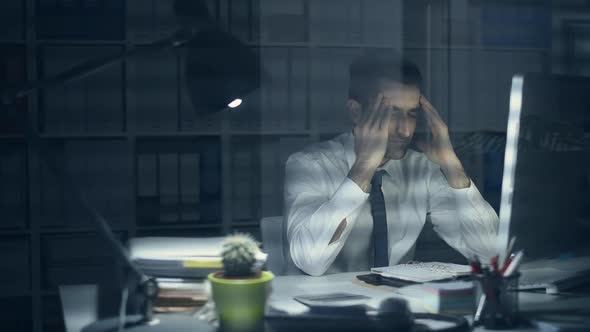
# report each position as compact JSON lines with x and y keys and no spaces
{"x":272,"y":241}
{"x":80,"y":305}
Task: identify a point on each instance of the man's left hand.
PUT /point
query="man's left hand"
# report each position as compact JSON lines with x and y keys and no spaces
{"x":439,"y":149}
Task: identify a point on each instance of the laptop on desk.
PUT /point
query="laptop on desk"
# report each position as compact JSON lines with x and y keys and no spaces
{"x":546,"y":180}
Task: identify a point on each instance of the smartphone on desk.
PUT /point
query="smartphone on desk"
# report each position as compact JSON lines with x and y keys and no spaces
{"x":333,"y":302}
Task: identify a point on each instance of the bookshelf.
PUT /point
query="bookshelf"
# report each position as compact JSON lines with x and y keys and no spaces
{"x":131,"y":140}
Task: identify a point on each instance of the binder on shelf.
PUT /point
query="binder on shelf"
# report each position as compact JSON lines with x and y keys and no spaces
{"x":80,"y":170}
{"x":147,"y":188}
{"x":328,"y":21}
{"x":381,"y":22}
{"x":334,"y":118}
{"x":15,"y":271}
{"x":353,"y":22}
{"x":210,"y":180}
{"x":81,"y":106}
{"x":13,"y":70}
{"x":169,"y":188}
{"x":269,"y":179}
{"x":320,"y":81}
{"x":17,"y":314}
{"x":189,"y":182}
{"x":104,"y":109}
{"x":150,"y":20}
{"x":11,"y":23}
{"x":282,"y":21}
{"x":13,"y":191}
{"x":120,"y":172}
{"x":86,"y":19}
{"x":244,"y":176}
{"x":256,"y":24}
{"x":153,"y":84}
{"x":240,"y":19}
{"x":297,"y":112}
{"x":275,"y":91}
{"x":52,"y":198}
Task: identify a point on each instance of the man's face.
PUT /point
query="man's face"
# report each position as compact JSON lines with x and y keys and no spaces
{"x":404,"y":101}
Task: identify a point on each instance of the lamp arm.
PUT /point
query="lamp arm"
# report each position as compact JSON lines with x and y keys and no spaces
{"x":94,"y":66}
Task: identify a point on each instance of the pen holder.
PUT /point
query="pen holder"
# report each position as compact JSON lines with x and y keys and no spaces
{"x":496,"y":301}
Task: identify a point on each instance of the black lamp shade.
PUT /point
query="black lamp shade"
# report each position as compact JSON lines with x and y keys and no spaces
{"x":219,"y":69}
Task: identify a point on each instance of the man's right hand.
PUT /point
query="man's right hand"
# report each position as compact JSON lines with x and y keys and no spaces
{"x":370,"y":142}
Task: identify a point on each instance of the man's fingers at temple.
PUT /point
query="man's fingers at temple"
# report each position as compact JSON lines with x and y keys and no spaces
{"x":378,"y":119}
{"x":374,"y":108}
{"x":429,"y":109}
{"x":385,"y":120}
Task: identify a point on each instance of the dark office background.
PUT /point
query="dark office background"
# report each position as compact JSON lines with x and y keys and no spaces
{"x":132,"y":142}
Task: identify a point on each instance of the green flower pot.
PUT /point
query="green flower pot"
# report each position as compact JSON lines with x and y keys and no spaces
{"x":240,"y":303}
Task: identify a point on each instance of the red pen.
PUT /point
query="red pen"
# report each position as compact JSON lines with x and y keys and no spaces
{"x":475,"y":266}
{"x":494,"y":262}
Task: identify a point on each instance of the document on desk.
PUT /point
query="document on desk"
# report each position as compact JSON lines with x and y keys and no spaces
{"x":454,"y":297}
{"x":287,"y":287}
{"x":423,"y":272}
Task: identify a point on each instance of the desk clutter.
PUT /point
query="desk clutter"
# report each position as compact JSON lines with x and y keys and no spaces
{"x":192,"y":271}
{"x":181,"y":266}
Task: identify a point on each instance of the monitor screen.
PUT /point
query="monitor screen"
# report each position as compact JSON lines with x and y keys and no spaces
{"x":546,"y":182}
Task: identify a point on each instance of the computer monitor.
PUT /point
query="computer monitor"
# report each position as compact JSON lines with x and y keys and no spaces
{"x":545,"y":199}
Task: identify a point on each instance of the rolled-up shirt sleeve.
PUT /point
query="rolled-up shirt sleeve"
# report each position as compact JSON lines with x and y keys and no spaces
{"x":462,"y":217}
{"x":314,"y":211}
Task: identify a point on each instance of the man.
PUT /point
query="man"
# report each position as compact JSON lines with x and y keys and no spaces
{"x":361,"y":199}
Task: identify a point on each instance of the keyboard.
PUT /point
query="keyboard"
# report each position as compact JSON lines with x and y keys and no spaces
{"x":551,"y":279}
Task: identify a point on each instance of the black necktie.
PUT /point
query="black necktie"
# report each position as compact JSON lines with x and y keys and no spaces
{"x":380,"y":241}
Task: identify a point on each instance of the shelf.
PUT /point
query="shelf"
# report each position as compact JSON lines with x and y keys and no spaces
{"x":316,"y":45}
{"x":78,"y":42}
{"x":49,"y":292}
{"x":13,"y":42}
{"x":70,"y":42}
{"x":238,"y":223}
{"x":11,"y":136}
{"x":405,"y":46}
{"x":177,"y":134}
{"x":17,"y":232}
{"x":178,"y":227}
{"x":269,"y":133}
{"x":84,"y":135}
{"x":7,"y":294}
{"x":85,"y":230}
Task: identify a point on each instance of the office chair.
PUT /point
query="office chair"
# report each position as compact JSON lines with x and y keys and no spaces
{"x":274,"y":241}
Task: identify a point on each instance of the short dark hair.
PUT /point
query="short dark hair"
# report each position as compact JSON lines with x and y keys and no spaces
{"x":368,"y":69}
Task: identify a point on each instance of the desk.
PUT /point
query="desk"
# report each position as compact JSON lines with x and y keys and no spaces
{"x":285,"y":287}
{"x":531,"y":304}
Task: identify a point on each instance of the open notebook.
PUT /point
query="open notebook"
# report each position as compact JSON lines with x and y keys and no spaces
{"x":423,"y":272}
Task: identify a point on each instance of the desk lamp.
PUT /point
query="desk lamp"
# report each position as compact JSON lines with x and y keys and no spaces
{"x":220,"y":73}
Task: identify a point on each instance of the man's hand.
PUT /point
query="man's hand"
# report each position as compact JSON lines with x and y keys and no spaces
{"x":440,"y":150}
{"x":370,"y":142}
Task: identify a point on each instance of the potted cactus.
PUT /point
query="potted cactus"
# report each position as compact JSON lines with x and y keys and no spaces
{"x":241,"y":289}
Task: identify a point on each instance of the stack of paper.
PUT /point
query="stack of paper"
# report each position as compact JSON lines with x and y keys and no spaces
{"x":181,"y":294}
{"x":168,"y":257}
{"x":423,"y":272}
{"x":450,"y":297}
{"x":181,"y":266}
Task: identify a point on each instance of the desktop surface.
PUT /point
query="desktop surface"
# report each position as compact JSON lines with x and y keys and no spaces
{"x":569,"y":309}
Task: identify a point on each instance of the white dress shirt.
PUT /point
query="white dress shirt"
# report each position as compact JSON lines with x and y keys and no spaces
{"x":319,"y":195}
